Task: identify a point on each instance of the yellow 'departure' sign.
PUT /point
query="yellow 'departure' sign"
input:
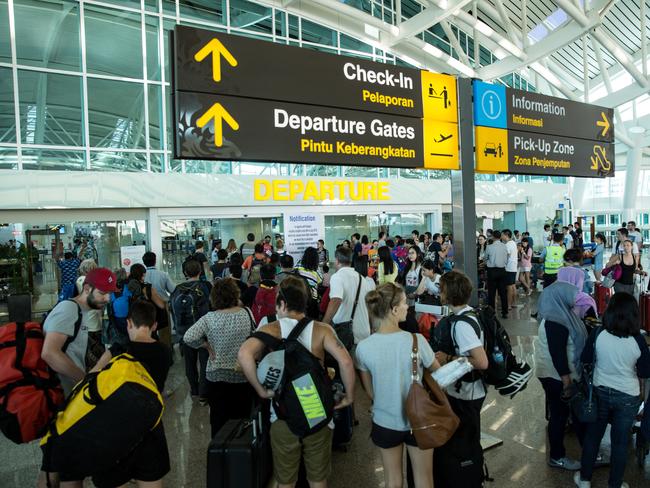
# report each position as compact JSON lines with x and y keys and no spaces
{"x":291,"y":190}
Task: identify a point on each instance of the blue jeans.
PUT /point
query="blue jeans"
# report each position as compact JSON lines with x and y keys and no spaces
{"x":619,"y":409}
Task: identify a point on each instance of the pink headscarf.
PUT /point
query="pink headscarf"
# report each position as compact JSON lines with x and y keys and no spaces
{"x":576,"y":277}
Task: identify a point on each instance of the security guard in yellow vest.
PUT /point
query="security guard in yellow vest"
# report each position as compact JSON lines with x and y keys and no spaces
{"x":553,"y":259}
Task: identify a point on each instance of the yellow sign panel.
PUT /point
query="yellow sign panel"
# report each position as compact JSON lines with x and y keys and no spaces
{"x":439,"y":97}
{"x":440,"y":144}
{"x":491,"y":150}
{"x":319,"y":190}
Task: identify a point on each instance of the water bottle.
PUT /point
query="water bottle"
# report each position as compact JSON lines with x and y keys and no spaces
{"x":497,"y":355}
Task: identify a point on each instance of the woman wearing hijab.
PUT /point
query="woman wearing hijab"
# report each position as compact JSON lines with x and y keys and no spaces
{"x":585,"y":305}
{"x":560,"y":341}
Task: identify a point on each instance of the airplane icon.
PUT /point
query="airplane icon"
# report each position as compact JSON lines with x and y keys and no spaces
{"x":443,"y":138}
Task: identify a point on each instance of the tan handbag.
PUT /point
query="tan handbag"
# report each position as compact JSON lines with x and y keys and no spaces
{"x":432,"y":420}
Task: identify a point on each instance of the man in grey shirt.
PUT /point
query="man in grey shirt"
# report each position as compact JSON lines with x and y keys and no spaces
{"x":160,"y":280}
{"x":496,"y":256}
{"x":63,"y":351}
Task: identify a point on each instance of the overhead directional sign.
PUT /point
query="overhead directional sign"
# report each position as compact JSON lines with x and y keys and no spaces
{"x":528,"y":133}
{"x":236,"y":128}
{"x":247,"y":67}
{"x":230,"y":74}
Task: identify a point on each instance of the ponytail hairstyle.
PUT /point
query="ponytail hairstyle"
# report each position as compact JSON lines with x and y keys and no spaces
{"x":382,"y":299}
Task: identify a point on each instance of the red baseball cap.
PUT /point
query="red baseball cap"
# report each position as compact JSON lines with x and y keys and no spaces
{"x":103,"y":279}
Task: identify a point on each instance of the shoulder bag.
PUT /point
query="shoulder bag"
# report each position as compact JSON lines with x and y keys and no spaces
{"x":432,"y":420}
{"x":584,"y":403}
{"x":344,"y":330}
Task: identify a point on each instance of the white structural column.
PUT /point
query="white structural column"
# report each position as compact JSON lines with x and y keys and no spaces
{"x":633,"y":170}
{"x":578,"y":190}
{"x":154,"y":237}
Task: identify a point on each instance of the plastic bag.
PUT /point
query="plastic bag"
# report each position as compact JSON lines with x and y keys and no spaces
{"x":451,"y":372}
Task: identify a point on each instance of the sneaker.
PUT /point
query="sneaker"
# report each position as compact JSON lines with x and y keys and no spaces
{"x":601,"y":461}
{"x":203,"y":401}
{"x":625,"y":485}
{"x":564,"y":463}
{"x":579,"y":483}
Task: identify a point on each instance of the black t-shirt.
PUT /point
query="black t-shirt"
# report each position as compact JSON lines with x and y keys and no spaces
{"x":435,"y":249}
{"x":217,"y":269}
{"x":201,"y":258}
{"x":154,"y":356}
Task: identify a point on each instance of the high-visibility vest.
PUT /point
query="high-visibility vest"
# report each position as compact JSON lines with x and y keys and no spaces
{"x":554,"y":259}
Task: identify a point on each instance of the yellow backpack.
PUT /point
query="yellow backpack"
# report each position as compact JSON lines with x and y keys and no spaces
{"x":107,"y":414}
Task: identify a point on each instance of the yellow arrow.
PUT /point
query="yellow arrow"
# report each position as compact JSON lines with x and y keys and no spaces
{"x":603,"y":123}
{"x":218,"y":114}
{"x":217,"y":50}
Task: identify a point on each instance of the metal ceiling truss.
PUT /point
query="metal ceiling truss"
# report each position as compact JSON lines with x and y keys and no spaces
{"x":583,"y":33}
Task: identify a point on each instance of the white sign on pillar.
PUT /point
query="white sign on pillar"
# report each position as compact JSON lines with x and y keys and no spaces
{"x":302,"y":230}
{"x":129,"y":255}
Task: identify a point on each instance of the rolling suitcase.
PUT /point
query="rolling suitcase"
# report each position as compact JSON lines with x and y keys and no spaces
{"x":239,"y":456}
{"x":602,"y":296}
{"x":343,"y":425}
{"x":644,"y":309}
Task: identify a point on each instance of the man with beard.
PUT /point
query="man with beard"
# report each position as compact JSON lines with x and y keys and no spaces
{"x":63,"y":350}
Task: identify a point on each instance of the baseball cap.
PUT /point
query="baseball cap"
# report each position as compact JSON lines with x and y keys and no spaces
{"x":103,"y":279}
{"x":271,"y":369}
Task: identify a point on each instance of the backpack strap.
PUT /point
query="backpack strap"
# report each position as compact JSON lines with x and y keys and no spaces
{"x":267,"y":339}
{"x":356,"y":298}
{"x":250,"y":317}
{"x":464,"y":317}
{"x":77,"y":327}
{"x":297,"y":330}
{"x":414,"y":360}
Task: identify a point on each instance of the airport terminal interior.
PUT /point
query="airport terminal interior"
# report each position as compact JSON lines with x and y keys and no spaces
{"x":334,"y":128}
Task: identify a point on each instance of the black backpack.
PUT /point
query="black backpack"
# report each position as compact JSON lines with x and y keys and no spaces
{"x":304,"y":399}
{"x":189,"y":303}
{"x":495,"y":338}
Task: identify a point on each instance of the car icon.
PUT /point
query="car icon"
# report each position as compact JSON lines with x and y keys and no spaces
{"x":490,"y":148}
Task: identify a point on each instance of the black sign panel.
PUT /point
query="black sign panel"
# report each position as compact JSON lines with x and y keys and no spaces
{"x":212,"y":62}
{"x":558,"y":156}
{"x":542,"y":114}
{"x":235,"y":128}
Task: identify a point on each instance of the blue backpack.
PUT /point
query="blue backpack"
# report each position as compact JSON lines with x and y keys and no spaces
{"x":119,"y":307}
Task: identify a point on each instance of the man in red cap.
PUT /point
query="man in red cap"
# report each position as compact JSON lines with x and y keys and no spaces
{"x":66,"y":332}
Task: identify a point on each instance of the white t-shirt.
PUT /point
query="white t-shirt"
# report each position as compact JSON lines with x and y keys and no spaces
{"x":387,"y":357}
{"x":511,"y":265}
{"x":466,"y":340}
{"x":343,"y":285}
{"x":568,"y":241}
{"x":634,"y":236}
{"x":547,"y":237}
{"x":432,"y":286}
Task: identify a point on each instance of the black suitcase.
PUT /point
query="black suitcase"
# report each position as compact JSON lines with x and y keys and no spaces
{"x":343,"y":425}
{"x":239,"y":456}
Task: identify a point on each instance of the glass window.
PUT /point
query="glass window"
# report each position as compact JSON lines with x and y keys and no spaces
{"x":5,"y":47}
{"x":155,"y":111}
{"x":601,"y":220}
{"x":360,"y":171}
{"x":353,"y":44}
{"x":7,"y":112}
{"x":123,"y":55}
{"x":280,"y":23}
{"x":209,"y":10}
{"x":53,"y":160}
{"x":175,"y":165}
{"x":312,"y":32}
{"x":47,"y":34}
{"x":116,"y":114}
{"x":615,"y":219}
{"x":151,"y":5}
{"x":294,"y":32}
{"x":118,"y":161}
{"x":157,"y":163}
{"x":50,"y":108}
{"x":8,"y":158}
{"x":153,"y":62}
{"x":250,"y":16}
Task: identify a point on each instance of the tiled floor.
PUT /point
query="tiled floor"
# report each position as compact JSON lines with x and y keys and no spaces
{"x":519,"y":462}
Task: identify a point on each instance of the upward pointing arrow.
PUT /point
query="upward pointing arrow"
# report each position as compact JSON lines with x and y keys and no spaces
{"x":603,"y":123}
{"x":218,"y":114}
{"x":217,"y":50}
